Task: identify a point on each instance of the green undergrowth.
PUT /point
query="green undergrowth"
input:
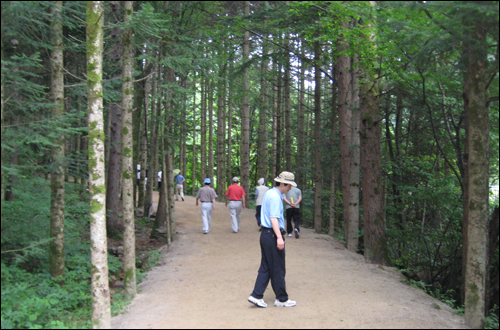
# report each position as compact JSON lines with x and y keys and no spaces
{"x":30,"y":297}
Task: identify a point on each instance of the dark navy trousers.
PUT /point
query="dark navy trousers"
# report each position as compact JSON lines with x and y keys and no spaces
{"x":272,"y":267}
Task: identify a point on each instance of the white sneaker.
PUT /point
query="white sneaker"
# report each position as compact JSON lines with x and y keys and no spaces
{"x":289,"y":235}
{"x":257,"y":302}
{"x":288,"y":303}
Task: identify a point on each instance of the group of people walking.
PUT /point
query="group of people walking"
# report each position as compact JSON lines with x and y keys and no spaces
{"x":271,"y":222}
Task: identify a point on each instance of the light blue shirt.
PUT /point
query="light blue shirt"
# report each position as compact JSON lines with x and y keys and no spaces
{"x":179,"y":178}
{"x":272,"y":207}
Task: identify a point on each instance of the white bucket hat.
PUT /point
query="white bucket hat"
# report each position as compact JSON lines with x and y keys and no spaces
{"x":236,"y":179}
{"x":286,"y":177}
{"x":260,"y":182}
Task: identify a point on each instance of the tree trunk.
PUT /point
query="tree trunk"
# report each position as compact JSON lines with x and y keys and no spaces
{"x":221,"y":134}
{"x":169,"y":161}
{"x":287,"y":111}
{"x":333,"y":173}
{"x":279,"y":125}
{"x":114,"y":224}
{"x":263,"y":154}
{"x":194,"y":139}
{"x":161,"y":211}
{"x":318,"y":175}
{"x":2,"y":196}
{"x":101,"y":312}
{"x":57,"y":196}
{"x":170,"y":223}
{"x":203,"y":149}
{"x":229,"y":128}
{"x":143,"y":132}
{"x":492,"y":273}
{"x":153,"y":150}
{"x":300,"y":177}
{"x":274,"y":130}
{"x":245,"y":115}
{"x":353,"y":186}
{"x":128,"y":171}
{"x":182,"y":147}
{"x":136,"y":131}
{"x":210,"y":172}
{"x":345,"y":114}
{"x":375,"y":243}
{"x":476,"y":203}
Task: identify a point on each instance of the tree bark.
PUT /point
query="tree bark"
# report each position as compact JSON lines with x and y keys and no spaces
{"x":318,"y":172}
{"x":345,"y":115}
{"x":57,"y":196}
{"x":245,"y":115}
{"x":353,"y":186}
{"x":263,"y":154}
{"x":210,"y":172}
{"x":287,"y":111}
{"x":300,"y":177}
{"x":136,"y":131}
{"x":143,"y":132}
{"x":129,"y":277}
{"x":221,"y":133}
{"x":194,"y":139}
{"x":161,"y":211}
{"x":114,"y":224}
{"x":279,"y":122}
{"x":203,"y":149}
{"x":229,"y":128}
{"x":182,"y":147}
{"x":375,"y":242}
{"x":476,"y":199}
{"x":153,"y":150}
{"x":274,"y":130}
{"x":101,"y":312}
{"x":333,"y":173}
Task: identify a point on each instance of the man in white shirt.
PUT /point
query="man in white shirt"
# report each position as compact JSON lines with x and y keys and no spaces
{"x":259,"y":193}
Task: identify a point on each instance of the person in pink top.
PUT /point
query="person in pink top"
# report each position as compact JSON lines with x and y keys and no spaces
{"x":236,"y":196}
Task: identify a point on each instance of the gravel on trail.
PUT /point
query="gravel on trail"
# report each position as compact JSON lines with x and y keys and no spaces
{"x":204,"y":280}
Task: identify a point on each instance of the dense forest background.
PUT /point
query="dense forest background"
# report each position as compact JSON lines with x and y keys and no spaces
{"x":386,"y":112}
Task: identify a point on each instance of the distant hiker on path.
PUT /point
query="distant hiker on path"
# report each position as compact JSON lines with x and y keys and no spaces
{"x":159,"y":180}
{"x":292,"y":210}
{"x":259,"y":192}
{"x":179,"y":188}
{"x":236,"y":196}
{"x":272,"y":245}
{"x":207,"y":196}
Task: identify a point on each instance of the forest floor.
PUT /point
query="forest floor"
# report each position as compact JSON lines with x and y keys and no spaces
{"x":203,"y":281}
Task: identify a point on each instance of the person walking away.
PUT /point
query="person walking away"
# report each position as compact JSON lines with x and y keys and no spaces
{"x":236,"y":196}
{"x":272,"y":245}
{"x":259,"y":192}
{"x":179,"y":188}
{"x":292,"y":211}
{"x":138,"y":175}
{"x":159,"y":180}
{"x":207,"y":196}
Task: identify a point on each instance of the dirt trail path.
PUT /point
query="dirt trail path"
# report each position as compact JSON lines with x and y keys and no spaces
{"x":204,"y":282}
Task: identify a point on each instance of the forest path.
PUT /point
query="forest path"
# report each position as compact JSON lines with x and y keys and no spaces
{"x":204,"y":282}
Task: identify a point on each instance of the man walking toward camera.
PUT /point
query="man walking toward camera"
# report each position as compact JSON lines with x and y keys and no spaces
{"x":272,"y":245}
